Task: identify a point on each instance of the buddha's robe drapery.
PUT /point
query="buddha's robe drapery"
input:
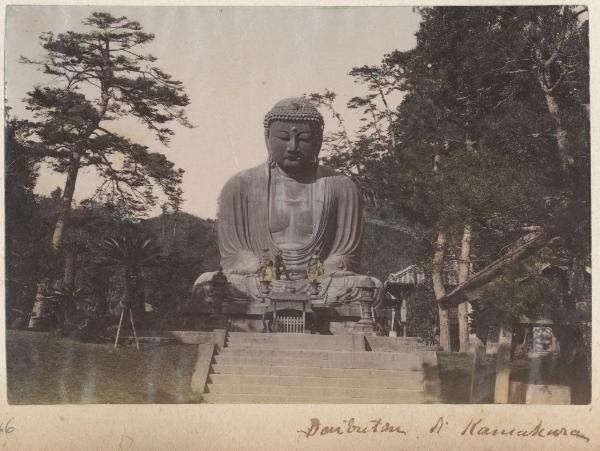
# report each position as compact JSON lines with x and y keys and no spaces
{"x":243,"y":223}
{"x":244,"y":232}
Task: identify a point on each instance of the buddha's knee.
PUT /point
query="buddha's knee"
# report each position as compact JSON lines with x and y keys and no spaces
{"x":200,"y":288}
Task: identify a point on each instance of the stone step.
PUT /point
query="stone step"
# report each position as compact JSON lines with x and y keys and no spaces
{"x":245,"y":398}
{"x":412,"y":362}
{"x":319,"y":341}
{"x":317,"y":337}
{"x":284,"y":336}
{"x":311,"y":371}
{"x":322,"y":355}
{"x":287,"y":347}
{"x":408,"y":380}
{"x":300,"y":390}
{"x":296,"y":341}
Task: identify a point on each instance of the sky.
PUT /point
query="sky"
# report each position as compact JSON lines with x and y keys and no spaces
{"x":234,"y":63}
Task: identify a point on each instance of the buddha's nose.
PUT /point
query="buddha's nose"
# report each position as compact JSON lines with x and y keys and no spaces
{"x":293,"y":144}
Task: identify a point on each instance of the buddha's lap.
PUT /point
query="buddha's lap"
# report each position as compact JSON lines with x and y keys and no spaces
{"x":343,"y":287}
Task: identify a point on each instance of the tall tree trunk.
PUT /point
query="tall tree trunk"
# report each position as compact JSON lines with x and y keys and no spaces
{"x":576,"y":281}
{"x":70,"y":260}
{"x":439,"y":290}
{"x":548,"y":85}
{"x":40,"y":306}
{"x":464,"y":264}
{"x":560,"y":133}
{"x":67,"y":200}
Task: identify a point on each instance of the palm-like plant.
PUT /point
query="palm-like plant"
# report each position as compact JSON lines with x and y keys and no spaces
{"x":132,"y":254}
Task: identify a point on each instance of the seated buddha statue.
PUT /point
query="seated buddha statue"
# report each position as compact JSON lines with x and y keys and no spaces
{"x":290,"y":207}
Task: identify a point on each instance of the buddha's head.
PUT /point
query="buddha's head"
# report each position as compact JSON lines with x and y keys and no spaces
{"x":294,"y":134}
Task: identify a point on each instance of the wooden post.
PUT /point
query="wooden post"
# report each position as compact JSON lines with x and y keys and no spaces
{"x":137,"y":345}
{"x":503,"y":363}
{"x":119,"y":328}
{"x":303,"y":320}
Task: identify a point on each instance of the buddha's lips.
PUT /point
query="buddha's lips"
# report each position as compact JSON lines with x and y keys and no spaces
{"x":298,"y":157}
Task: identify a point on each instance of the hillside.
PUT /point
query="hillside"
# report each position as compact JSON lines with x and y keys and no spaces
{"x":388,"y":249}
{"x":189,"y":245}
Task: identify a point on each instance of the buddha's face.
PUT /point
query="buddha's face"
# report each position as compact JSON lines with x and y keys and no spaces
{"x":294,"y":146}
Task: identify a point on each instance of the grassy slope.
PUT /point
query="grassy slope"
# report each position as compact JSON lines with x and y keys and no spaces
{"x":47,"y":370}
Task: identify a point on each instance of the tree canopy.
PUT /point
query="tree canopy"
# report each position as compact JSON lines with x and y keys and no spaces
{"x":492,"y":128}
{"x":490,"y":139}
{"x":103,"y":76}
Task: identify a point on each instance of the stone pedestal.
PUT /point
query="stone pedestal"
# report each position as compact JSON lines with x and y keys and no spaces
{"x":365,"y":328}
{"x":330,"y":318}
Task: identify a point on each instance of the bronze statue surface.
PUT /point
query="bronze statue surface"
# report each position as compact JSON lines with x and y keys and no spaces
{"x":291,"y":208}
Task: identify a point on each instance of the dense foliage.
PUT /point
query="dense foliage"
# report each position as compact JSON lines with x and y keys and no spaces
{"x":422,"y":314}
{"x":491,"y":133}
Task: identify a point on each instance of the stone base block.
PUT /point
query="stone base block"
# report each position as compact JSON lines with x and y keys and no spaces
{"x":521,"y":393}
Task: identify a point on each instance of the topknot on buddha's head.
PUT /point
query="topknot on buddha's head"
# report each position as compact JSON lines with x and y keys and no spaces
{"x":294,"y":109}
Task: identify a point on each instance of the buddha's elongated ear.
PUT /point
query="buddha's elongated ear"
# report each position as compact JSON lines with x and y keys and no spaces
{"x":268,"y":145}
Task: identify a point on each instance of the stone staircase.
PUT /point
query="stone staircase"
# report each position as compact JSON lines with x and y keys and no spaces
{"x":319,"y":369}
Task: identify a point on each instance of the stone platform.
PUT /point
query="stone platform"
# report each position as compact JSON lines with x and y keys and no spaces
{"x":237,"y":316}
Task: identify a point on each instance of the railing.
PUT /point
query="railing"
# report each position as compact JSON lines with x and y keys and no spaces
{"x":290,"y":324}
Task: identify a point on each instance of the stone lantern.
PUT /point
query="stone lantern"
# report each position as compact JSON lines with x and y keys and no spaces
{"x":265,"y":286}
{"x":366,"y":324}
{"x":216,"y":289}
{"x":314,"y":288}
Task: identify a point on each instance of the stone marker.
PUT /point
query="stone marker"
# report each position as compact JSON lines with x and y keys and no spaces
{"x":503,"y":356}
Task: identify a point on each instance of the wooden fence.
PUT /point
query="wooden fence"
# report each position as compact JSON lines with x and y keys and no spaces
{"x":290,"y":324}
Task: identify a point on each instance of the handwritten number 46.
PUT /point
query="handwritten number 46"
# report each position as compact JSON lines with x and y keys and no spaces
{"x":7,"y":428}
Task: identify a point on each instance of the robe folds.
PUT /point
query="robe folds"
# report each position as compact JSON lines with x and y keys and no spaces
{"x":244,"y":232}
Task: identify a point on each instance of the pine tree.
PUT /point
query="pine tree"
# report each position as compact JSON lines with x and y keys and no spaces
{"x":101,"y":76}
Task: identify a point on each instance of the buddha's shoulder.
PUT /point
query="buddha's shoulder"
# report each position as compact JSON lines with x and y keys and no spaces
{"x":340,"y":180}
{"x":247,"y":176}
